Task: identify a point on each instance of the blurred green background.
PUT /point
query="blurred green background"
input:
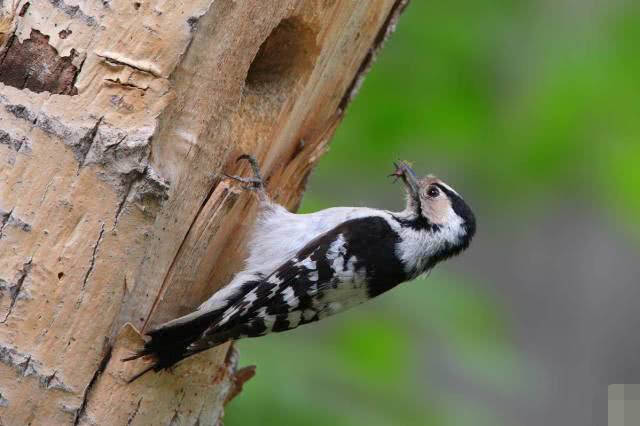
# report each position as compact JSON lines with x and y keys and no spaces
{"x":530,"y":109}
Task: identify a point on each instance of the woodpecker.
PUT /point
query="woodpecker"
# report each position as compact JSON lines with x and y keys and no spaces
{"x":303,"y":268}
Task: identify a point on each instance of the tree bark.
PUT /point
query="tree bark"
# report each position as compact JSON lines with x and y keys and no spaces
{"x":117,"y":119}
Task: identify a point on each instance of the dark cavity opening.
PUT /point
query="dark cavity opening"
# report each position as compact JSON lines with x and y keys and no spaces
{"x":285,"y":57}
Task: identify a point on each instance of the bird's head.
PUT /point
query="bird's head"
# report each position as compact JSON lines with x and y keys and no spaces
{"x":437,"y":206}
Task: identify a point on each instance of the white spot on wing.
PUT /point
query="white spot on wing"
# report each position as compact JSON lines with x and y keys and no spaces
{"x":221,"y":298}
{"x":251,"y":296}
{"x":232,"y":311}
{"x":290,"y":298}
{"x":351,"y":264}
{"x":336,"y":248}
{"x":273,"y":292}
{"x":336,"y":252}
{"x":273,"y":279}
{"x":307,"y":263}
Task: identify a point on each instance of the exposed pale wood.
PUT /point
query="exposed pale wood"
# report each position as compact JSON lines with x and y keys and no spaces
{"x":113,"y":216}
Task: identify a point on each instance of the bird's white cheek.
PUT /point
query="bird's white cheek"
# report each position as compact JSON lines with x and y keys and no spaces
{"x":455,"y":222}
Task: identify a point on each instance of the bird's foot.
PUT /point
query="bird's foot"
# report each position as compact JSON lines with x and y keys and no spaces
{"x":249,"y":183}
{"x":256,"y":182}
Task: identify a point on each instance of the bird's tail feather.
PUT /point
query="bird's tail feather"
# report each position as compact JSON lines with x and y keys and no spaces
{"x":170,"y":343}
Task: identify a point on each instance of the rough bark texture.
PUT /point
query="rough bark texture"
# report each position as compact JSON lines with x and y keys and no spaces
{"x":116,"y":119}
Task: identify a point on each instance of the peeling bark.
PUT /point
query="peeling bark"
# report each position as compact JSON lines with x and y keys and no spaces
{"x":36,"y":66}
{"x":117,"y":120}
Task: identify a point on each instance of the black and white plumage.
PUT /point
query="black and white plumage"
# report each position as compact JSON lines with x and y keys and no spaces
{"x":304,"y":267}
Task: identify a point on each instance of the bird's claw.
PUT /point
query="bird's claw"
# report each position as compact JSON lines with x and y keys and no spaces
{"x":253,"y":183}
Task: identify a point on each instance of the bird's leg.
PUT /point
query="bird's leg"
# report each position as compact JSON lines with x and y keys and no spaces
{"x":255,"y":183}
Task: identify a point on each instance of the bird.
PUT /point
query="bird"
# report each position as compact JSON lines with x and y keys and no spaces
{"x":302,"y":268}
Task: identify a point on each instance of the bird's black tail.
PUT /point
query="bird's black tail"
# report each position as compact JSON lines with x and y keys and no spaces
{"x":169,"y":343}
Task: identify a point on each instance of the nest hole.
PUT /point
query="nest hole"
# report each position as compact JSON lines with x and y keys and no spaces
{"x":284,"y":58}
{"x":275,"y":80}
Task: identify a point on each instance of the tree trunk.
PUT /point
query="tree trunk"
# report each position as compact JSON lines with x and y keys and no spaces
{"x":117,"y":119}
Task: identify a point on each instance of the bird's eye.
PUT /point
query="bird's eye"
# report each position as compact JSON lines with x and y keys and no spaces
{"x":433,"y":191}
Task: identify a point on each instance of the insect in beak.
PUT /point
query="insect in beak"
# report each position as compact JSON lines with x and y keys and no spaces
{"x":408,"y":176}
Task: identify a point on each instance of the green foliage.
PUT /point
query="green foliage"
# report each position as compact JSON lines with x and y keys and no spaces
{"x":512,"y":96}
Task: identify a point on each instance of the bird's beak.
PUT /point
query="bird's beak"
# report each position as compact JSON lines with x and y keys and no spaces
{"x":408,"y":176}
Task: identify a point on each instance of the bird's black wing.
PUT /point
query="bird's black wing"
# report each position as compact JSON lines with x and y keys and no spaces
{"x":347,"y":265}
